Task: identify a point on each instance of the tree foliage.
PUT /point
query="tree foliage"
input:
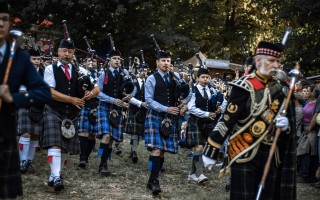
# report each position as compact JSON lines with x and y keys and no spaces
{"x":184,"y":26}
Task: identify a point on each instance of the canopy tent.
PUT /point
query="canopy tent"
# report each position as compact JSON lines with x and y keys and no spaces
{"x":213,"y":63}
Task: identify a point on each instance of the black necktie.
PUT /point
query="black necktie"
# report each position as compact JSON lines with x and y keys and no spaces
{"x":0,"y":57}
{"x":93,"y":75}
{"x":166,"y":79}
{"x":142,"y":85}
{"x":115,"y":72}
{"x":205,"y":95}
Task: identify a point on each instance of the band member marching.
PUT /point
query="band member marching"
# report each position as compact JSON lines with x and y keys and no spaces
{"x":61,"y":115}
{"x":205,"y":110}
{"x":30,"y":123}
{"x":114,"y":87}
{"x":137,"y":114}
{"x":251,"y":120}
{"x":161,"y":134}
{"x":87,"y":118}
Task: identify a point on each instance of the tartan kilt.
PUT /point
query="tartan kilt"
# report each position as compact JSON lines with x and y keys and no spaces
{"x":194,"y":135}
{"x":103,"y":125}
{"x":152,"y":137}
{"x":85,"y":126}
{"x":26,"y":125}
{"x":10,"y":175}
{"x":52,"y":135}
{"x":246,"y":177}
{"x":132,"y":125}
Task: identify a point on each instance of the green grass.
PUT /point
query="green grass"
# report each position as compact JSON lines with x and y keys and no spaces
{"x":128,"y":180}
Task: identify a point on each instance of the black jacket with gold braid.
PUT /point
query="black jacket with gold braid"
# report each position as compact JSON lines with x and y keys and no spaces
{"x":249,"y":118}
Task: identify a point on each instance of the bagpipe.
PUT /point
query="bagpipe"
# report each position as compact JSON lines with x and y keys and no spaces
{"x":182,"y":88}
{"x":84,"y":82}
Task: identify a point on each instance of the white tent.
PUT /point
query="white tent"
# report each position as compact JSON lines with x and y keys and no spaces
{"x":213,"y":63}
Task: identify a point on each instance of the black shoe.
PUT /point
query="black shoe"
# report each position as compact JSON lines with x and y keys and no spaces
{"x":104,"y":170}
{"x":117,"y":150}
{"x":228,"y":187}
{"x":130,"y":156}
{"x":154,"y":187}
{"x":82,"y":164}
{"x":23,"y":166}
{"x":315,"y":184}
{"x":163,"y":169}
{"x":134,"y":157}
{"x":58,"y":185}
{"x":51,"y":183}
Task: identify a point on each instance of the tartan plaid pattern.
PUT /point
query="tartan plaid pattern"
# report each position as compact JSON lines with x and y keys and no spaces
{"x":52,"y":135}
{"x":270,"y":52}
{"x":194,"y":135}
{"x":152,"y":137}
{"x":251,"y":172}
{"x":132,"y":125}
{"x":25,"y":125}
{"x":84,"y":124}
{"x":10,"y":175}
{"x":103,"y":125}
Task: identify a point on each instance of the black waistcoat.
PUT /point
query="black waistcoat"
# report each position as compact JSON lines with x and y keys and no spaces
{"x":112,"y":87}
{"x":66,"y":87}
{"x":203,"y":103}
{"x":139,"y":95}
{"x":164,"y":94}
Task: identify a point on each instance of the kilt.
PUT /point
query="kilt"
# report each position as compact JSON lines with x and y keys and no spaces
{"x":246,"y":177}
{"x":103,"y":125}
{"x":152,"y":137}
{"x":194,"y":134}
{"x":52,"y":135}
{"x":85,"y":126}
{"x":26,"y":125}
{"x":132,"y":125}
{"x":10,"y":175}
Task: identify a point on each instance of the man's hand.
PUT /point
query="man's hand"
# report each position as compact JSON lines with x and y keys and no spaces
{"x":183,"y":110}
{"x":77,"y":102}
{"x":208,"y":162}
{"x":5,"y":94}
{"x":282,"y":122}
{"x":212,"y":115}
{"x":173,"y":110}
{"x":87,"y":95}
{"x":127,"y":98}
{"x":118,"y":102}
{"x":144,"y":105}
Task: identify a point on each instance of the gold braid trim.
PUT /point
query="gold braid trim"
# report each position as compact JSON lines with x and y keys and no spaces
{"x":214,"y":144}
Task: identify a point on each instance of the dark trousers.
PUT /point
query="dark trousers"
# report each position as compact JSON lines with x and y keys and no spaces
{"x":10,"y":175}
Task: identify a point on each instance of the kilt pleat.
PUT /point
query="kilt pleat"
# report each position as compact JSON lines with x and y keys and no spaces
{"x":103,"y":125}
{"x":26,"y":125}
{"x":153,"y":138}
{"x":52,"y":135}
{"x":194,"y":136}
{"x":85,"y":126}
{"x":10,"y":175}
{"x":132,"y":125}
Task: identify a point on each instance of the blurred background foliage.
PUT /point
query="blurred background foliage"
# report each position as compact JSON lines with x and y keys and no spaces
{"x":185,"y":27}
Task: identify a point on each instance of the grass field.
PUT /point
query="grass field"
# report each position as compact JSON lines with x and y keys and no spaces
{"x":128,"y":180}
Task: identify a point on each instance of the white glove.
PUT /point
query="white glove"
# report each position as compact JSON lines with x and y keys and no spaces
{"x":282,"y":122}
{"x":208,"y":162}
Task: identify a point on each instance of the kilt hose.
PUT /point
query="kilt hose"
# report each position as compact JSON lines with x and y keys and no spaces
{"x":26,"y":125}
{"x":153,"y":138}
{"x":85,"y":126}
{"x":103,"y":125}
{"x":134,"y":126}
{"x":194,"y":135}
{"x":10,"y":175}
{"x":52,"y":135}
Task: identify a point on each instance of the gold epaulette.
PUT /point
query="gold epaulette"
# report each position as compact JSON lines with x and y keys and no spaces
{"x":243,"y":83}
